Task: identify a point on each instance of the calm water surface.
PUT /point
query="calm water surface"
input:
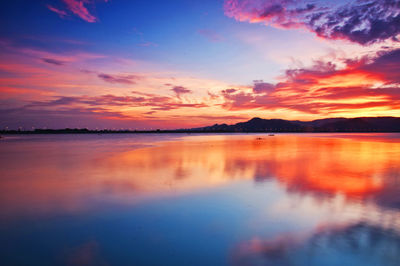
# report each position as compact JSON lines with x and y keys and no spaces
{"x":251,"y":199}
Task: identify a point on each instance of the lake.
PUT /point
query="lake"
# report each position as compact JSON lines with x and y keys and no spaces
{"x":221,"y":199}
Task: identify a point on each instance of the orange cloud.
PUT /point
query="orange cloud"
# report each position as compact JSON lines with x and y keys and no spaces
{"x":369,"y":87}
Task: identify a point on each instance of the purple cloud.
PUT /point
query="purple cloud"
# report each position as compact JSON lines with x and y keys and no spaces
{"x":53,"y":61}
{"x":122,"y":79}
{"x":155,"y":102}
{"x":180,"y":90}
{"x":262,"y":87}
{"x":363,"y":22}
{"x":229,"y":91}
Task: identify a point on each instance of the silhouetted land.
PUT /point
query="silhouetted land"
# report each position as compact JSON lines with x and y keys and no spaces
{"x":361,"y":124}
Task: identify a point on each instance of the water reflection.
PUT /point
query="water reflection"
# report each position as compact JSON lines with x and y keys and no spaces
{"x":322,"y":166}
{"x":355,"y":244}
{"x":55,"y":175}
{"x":85,"y":254}
{"x":341,"y":191}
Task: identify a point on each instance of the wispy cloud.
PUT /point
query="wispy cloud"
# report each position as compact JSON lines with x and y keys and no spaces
{"x":77,"y":7}
{"x":211,"y":35}
{"x":53,"y":61}
{"x":59,"y":12}
{"x":155,"y":102}
{"x":92,"y":108}
{"x":122,"y":79}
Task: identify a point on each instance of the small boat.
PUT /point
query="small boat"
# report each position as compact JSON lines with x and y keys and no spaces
{"x":271,"y":134}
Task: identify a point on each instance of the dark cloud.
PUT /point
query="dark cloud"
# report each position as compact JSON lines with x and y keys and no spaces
{"x":262,"y":87}
{"x":272,"y":10}
{"x":364,"y":22}
{"x":229,"y":91}
{"x":122,"y":79}
{"x":387,"y":65}
{"x":150,"y":112}
{"x":180,"y":90}
{"x":53,"y":61}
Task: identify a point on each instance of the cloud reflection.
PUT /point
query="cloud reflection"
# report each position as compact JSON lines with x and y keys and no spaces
{"x":55,"y":176}
{"x":354,"y":244}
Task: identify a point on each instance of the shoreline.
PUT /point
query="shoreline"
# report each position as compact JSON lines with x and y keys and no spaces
{"x":56,"y":132}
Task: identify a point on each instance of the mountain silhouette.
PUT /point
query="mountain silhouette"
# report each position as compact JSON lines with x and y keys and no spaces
{"x":360,"y":124}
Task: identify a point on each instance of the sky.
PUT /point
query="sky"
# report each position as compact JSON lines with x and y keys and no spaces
{"x":126,"y":64}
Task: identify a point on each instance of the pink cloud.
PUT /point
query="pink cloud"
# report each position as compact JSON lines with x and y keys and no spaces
{"x":78,"y":8}
{"x":59,"y":12}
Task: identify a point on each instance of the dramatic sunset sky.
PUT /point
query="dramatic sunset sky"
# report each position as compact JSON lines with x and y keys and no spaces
{"x":184,"y":63}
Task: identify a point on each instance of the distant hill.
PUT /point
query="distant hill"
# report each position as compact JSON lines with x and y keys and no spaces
{"x":360,"y":124}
